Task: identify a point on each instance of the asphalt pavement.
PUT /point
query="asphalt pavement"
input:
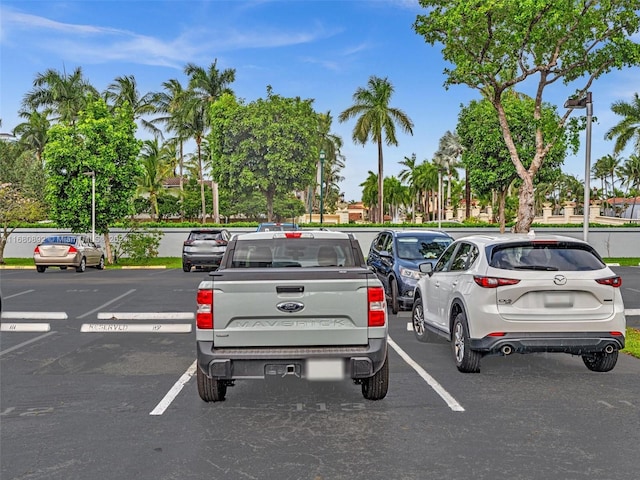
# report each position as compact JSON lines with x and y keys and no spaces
{"x":107,"y":392}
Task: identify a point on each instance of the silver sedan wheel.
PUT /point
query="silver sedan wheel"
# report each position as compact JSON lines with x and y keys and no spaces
{"x":418,"y":320}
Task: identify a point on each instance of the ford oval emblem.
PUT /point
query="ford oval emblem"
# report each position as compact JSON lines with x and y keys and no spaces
{"x":290,"y":307}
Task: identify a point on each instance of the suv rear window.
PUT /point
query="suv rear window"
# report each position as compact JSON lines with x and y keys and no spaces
{"x":279,"y":253}
{"x":562,"y":256}
{"x":205,"y":236}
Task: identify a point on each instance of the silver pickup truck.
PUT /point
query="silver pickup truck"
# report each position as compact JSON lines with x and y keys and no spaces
{"x":300,"y":303}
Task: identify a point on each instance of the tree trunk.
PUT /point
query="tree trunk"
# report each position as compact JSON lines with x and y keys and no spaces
{"x":502,"y":196}
{"x":467,"y":193}
{"x":380,"y":181}
{"x":526,"y":209}
{"x":181,"y":182}
{"x":202,"y":197}
{"x":215,"y":201}
{"x":107,"y":248}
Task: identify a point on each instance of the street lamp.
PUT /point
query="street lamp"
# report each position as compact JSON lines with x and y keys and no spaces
{"x":585,"y":102}
{"x":92,"y":174}
{"x":321,"y":186}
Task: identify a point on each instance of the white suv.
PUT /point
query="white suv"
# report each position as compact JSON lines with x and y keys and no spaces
{"x":521,"y":293}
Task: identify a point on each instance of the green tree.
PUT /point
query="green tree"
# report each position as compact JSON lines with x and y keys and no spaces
{"x":33,"y":133}
{"x":376,"y":120}
{"x":447,"y":157}
{"x":65,"y":95}
{"x":408,"y":175}
{"x":487,"y":157}
{"x":494,"y":46}
{"x":396,"y":196}
{"x":630,"y":173}
{"x":15,"y":207}
{"x":628,"y":129}
{"x":103,"y":142}
{"x":370,"y":192}
{"x":269,"y":145}
{"x":426,"y":182}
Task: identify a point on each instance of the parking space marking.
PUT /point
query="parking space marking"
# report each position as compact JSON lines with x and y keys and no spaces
{"x":439,"y":389}
{"x":175,"y":390}
{"x":631,"y":312}
{"x":135,"y":328}
{"x":23,"y":344}
{"x":25,"y":327}
{"x":101,"y":307}
{"x":34,"y":316}
{"x":409,"y":327}
{"x":146,"y":316}
{"x":18,"y":294}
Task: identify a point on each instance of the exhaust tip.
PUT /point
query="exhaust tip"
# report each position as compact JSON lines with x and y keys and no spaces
{"x":506,"y":350}
{"x":609,"y":349}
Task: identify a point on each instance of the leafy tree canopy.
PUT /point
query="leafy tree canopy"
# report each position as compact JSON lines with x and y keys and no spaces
{"x":494,"y":46}
{"x":102,"y":141}
{"x":270,"y":145}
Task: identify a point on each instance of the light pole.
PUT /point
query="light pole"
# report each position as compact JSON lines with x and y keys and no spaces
{"x":92,"y":174}
{"x":321,"y":186}
{"x":585,"y":102}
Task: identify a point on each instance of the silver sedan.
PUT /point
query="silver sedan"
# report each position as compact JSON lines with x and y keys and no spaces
{"x":64,"y":251}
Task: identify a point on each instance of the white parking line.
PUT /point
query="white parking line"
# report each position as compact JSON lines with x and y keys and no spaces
{"x":16,"y":347}
{"x":34,"y":316}
{"x":175,"y":390}
{"x":135,"y":328}
{"x":439,"y":389}
{"x":630,"y":312}
{"x":18,"y":294}
{"x":101,"y":307}
{"x":146,"y":316}
{"x":25,"y":327}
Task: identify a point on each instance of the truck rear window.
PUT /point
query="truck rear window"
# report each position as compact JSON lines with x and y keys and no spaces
{"x":299,"y":252}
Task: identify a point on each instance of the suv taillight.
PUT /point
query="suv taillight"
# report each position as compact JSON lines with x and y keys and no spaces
{"x":377,"y":307}
{"x":204,"y":314}
{"x":494,"y":282}
{"x":612,"y":281}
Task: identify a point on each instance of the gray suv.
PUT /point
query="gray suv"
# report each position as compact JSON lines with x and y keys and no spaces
{"x":204,"y":248}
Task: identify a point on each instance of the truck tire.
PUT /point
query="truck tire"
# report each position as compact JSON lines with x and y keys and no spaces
{"x":376,"y":387}
{"x":601,"y":362}
{"x":210,"y":389}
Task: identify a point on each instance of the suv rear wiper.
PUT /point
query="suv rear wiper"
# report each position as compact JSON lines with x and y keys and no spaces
{"x":536,"y":267}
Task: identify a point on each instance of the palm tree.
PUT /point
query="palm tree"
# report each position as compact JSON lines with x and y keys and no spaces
{"x":154,"y":172}
{"x":125,"y":89}
{"x":370,"y":195}
{"x":629,"y":127}
{"x":169,"y":103}
{"x":64,"y":94}
{"x":408,"y":175}
{"x":376,"y":120}
{"x":34,"y":133}
{"x":630,"y":173}
{"x":451,"y":149}
{"x":396,"y":196}
{"x":426,"y":181}
{"x":334,"y":160}
{"x":207,"y":87}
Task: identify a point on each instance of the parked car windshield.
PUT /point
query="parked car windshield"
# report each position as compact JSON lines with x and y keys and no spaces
{"x":562,"y":256}
{"x":420,"y":248}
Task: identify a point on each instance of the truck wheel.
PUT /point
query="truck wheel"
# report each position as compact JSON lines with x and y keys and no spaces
{"x":40,"y":268}
{"x":83,"y":265}
{"x":395,"y":305}
{"x":420,"y":329}
{"x":601,"y":362}
{"x":376,"y":387}
{"x":186,"y":267}
{"x":210,"y":389}
{"x":467,"y":360}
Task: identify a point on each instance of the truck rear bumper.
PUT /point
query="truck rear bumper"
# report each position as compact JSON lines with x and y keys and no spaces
{"x":254,"y":362}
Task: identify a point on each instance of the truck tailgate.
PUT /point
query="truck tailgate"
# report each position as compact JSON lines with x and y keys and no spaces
{"x":290,"y":307}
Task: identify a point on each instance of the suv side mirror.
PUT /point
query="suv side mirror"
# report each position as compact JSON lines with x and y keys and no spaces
{"x":426,"y":267}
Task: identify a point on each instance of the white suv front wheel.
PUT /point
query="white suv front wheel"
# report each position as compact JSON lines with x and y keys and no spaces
{"x":467,"y":360}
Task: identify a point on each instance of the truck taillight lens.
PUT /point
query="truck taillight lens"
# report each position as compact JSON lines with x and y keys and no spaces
{"x":204,"y":314}
{"x":377,"y":306}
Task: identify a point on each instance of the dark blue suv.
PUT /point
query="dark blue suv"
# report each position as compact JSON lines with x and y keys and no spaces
{"x":394,"y":257}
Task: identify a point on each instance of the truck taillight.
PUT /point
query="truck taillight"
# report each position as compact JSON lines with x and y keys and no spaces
{"x":377,"y":306}
{"x":204,"y":314}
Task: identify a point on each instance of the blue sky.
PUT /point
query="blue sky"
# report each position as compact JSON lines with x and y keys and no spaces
{"x":323,"y":50}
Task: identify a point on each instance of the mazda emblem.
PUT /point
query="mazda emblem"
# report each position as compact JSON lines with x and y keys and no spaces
{"x":290,"y":307}
{"x":559,"y":279}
